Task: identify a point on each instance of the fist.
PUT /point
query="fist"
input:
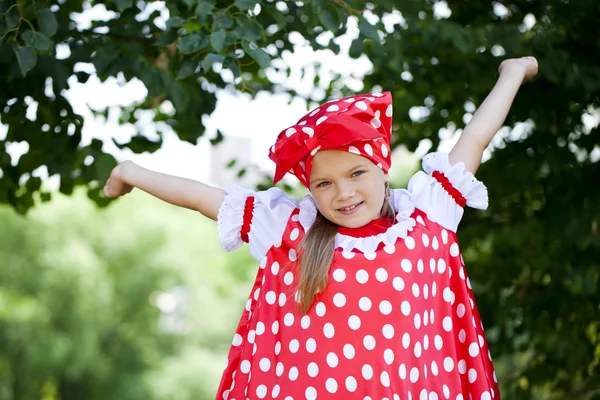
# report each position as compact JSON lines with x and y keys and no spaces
{"x":115,"y":185}
{"x":528,"y":66}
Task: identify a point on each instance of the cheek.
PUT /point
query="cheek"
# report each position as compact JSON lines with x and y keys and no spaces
{"x":321,"y":199}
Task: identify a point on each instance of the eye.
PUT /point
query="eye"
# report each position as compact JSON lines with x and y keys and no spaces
{"x":357,"y":173}
{"x":323,"y":184}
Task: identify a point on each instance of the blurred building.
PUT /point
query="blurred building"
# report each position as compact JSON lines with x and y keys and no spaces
{"x":238,"y":149}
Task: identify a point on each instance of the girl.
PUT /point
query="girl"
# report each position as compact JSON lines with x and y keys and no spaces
{"x":361,"y":291}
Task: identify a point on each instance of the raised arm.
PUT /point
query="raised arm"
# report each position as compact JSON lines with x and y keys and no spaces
{"x":172,"y":189}
{"x":490,"y":116}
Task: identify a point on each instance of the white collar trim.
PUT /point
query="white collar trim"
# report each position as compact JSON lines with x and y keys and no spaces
{"x":401,"y":203}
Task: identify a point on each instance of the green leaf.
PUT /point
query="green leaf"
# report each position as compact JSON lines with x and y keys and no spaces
{"x":26,"y":59}
{"x":140,"y":144}
{"x":12,"y":18}
{"x":192,"y":43}
{"x":204,"y":9}
{"x":82,"y":77}
{"x":368,"y":30}
{"x":192,"y":25}
{"x":218,"y":139}
{"x":250,"y":28}
{"x":245,"y":5}
{"x":175,"y":22}
{"x":187,"y":68}
{"x":258,"y":54}
{"x":46,"y":21}
{"x":222,"y":21}
{"x":329,"y":19}
{"x":217,"y":40}
{"x":231,"y":38}
{"x":123,"y":5}
{"x":356,"y":48}
{"x":38,"y":41}
{"x":210,"y":59}
{"x":165,"y":38}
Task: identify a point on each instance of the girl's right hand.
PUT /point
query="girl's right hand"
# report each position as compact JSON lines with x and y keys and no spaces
{"x":115,"y":185}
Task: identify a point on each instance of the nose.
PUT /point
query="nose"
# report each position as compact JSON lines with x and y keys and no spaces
{"x":345,"y":191}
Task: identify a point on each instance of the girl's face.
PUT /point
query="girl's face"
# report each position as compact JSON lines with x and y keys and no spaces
{"x":348,"y":189}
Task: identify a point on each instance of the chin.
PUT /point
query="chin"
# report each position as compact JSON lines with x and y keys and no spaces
{"x":359,"y":222}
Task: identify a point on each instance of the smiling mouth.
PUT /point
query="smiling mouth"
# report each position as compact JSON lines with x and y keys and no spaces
{"x":352,"y":207}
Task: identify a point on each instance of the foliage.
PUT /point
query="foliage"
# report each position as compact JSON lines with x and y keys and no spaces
{"x":78,"y":306}
{"x":533,"y":255}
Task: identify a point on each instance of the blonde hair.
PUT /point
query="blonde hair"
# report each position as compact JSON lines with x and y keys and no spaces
{"x":316,"y":255}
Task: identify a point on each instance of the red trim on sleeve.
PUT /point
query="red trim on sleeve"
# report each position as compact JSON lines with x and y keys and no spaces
{"x":452,"y":191}
{"x":248,"y":212}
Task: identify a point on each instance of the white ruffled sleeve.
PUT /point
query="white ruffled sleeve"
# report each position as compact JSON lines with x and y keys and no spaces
{"x":267,"y":215}
{"x":438,"y":202}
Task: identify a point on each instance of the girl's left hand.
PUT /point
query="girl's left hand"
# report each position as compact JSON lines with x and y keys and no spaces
{"x":528,"y":66}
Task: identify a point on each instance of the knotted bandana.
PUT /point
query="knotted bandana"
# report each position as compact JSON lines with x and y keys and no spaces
{"x":358,"y":124}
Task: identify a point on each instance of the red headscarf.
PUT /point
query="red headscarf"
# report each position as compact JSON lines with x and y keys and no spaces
{"x":358,"y":124}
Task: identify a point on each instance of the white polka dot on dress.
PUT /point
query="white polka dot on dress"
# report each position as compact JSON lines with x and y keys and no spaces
{"x":261,"y":391}
{"x":294,"y":345}
{"x":362,"y":276}
{"x":265,"y":364}
{"x":339,"y":300}
{"x":448,"y":364}
{"x":288,"y":278}
{"x":384,"y":378}
{"x":364,"y":303}
{"x":367,"y":371}
{"x":312,"y":369}
{"x":425,"y":240}
{"x":385,"y":307}
{"x":288,"y":320}
{"x":405,"y":308}
{"x":293,"y":374}
{"x":402,"y":371}
{"x":369,"y":342}
{"x":351,"y":384}
{"x":339,"y":275}
{"x":354,"y":322}
{"x":414,"y":375}
{"x":406,"y":340}
{"x":311,"y":345}
{"x":331,"y":385}
{"x":387,"y":331}
{"x":320,"y":309}
{"x":332,"y":360}
{"x":381,"y":275}
{"x":349,"y":351}
{"x":388,"y":356}
{"x":462,"y":366}
{"x":454,"y":250}
{"x":406,"y":265}
{"x":328,"y":330}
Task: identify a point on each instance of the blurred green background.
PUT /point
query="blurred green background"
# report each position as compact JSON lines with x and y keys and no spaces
{"x":137,"y":301}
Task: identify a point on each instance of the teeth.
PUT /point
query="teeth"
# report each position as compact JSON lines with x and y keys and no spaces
{"x":349,"y":208}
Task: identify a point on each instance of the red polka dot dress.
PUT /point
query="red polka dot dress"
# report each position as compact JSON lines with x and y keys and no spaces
{"x":398,"y":318}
